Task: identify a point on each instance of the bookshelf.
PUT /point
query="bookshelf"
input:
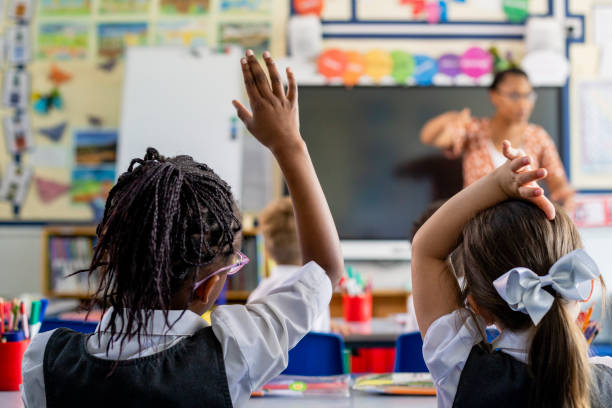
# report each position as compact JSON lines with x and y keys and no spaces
{"x":66,"y":249}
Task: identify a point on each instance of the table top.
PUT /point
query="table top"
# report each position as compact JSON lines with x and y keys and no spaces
{"x":379,"y":332}
{"x":356,"y":400}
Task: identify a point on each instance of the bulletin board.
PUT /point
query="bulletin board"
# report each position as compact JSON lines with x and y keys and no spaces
{"x":408,"y":10}
{"x":72,"y":146}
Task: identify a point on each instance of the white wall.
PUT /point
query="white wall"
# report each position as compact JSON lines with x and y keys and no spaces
{"x":20,"y":260}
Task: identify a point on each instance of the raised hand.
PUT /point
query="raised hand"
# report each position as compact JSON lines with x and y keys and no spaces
{"x":518,"y":179}
{"x":273,"y":119}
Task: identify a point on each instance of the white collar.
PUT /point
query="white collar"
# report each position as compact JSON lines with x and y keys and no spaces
{"x":515,"y":343}
{"x":184,"y":325}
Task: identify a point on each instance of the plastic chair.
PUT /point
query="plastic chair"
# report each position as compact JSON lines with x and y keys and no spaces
{"x":52,"y":323}
{"x":409,"y":354}
{"x":317,"y":354}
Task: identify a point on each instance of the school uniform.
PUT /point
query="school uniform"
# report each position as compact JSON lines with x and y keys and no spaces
{"x":467,"y":373}
{"x":188,"y":363}
{"x":278,"y":275}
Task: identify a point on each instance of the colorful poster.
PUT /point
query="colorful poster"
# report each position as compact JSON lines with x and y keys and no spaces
{"x":476,"y":62}
{"x":332,"y":63}
{"x":124,"y":6}
{"x":449,"y":64}
{"x":184,"y":6}
{"x":63,"y":41}
{"x":403,"y":66}
{"x":64,"y":7}
{"x":254,"y":36}
{"x":245,"y":6}
{"x":184,"y":33}
{"x":425,"y":69}
{"x":94,"y":174}
{"x":114,"y":38}
{"x":378,"y":64}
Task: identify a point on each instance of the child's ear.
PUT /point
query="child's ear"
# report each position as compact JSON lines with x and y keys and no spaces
{"x":204,"y":291}
{"x":480,"y":311}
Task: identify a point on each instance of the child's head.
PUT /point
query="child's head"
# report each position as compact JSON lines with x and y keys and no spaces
{"x":518,"y":234}
{"x":277,"y":224}
{"x":168,"y":223}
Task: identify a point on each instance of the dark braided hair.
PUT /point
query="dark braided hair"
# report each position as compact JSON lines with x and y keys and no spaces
{"x":163,"y":219}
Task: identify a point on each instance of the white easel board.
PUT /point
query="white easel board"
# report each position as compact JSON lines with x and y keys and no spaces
{"x":179,"y":101}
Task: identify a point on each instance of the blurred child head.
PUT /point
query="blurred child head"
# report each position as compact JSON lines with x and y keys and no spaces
{"x":168,"y":222}
{"x":277,"y":224}
{"x":518,"y":234}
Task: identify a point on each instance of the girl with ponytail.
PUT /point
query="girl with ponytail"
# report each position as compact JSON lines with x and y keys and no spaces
{"x":526,"y":273}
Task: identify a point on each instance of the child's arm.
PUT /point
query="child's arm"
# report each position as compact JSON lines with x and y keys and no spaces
{"x":434,"y":286}
{"x":274,"y":122}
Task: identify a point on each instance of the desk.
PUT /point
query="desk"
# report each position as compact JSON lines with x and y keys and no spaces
{"x":379,"y":332}
{"x":356,"y":400}
{"x":10,"y":399}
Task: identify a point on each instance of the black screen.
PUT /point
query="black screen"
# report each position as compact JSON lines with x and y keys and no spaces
{"x":377,"y":175}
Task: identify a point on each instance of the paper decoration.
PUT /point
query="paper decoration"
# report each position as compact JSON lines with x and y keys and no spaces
{"x":45,"y":103}
{"x":449,"y":65}
{"x":593,"y":211}
{"x":58,"y":76}
{"x":54,"y":133}
{"x":403,"y":66}
{"x":20,"y":9}
{"x":476,"y":62}
{"x":94,"y":121}
{"x":355,"y":68}
{"x":18,"y":133}
{"x":15,"y":183}
{"x":63,"y":41}
{"x":16,"y":89}
{"x":443,"y":11}
{"x":19,"y":50}
{"x":378,"y":64}
{"x":517,"y":11}
{"x":192,"y":7}
{"x":418,"y":6}
{"x":425,"y":70}
{"x":109,"y":65}
{"x":432,"y":10}
{"x":49,"y":190}
{"x":332,"y":63}
{"x":308,"y":7}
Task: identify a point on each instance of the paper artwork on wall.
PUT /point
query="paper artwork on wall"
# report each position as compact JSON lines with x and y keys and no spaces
{"x":16,"y":89}
{"x":18,"y":133}
{"x":54,"y":133}
{"x":15,"y":183}
{"x":50,"y":190}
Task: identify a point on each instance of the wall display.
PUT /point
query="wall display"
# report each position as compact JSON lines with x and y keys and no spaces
{"x":403,"y":66}
{"x":332,"y":63}
{"x":18,"y":133}
{"x":591,"y":159}
{"x":50,"y":190}
{"x":355,"y":68}
{"x":63,"y":41}
{"x":246,"y":6}
{"x":305,"y":7}
{"x":378,"y":64}
{"x":15,"y":183}
{"x":95,"y":157}
{"x":124,"y":6}
{"x":476,"y":62}
{"x":16,"y":89}
{"x":21,"y":9}
{"x":254,"y":36}
{"x":193,"y":7}
{"x":113,"y":38}
{"x":64,"y":7}
{"x":18,"y":46}
{"x":185,"y":33}
{"x":425,"y":69}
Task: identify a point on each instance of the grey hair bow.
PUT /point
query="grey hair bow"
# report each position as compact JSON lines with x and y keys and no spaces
{"x":570,"y":277}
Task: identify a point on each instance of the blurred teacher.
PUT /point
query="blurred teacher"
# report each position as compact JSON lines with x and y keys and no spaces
{"x":479,"y":140}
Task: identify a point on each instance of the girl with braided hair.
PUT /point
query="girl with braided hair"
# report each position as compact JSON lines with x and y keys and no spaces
{"x":169,"y":238}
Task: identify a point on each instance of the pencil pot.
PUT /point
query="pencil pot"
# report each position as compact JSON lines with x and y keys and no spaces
{"x":11,"y":355}
{"x":357,"y":308}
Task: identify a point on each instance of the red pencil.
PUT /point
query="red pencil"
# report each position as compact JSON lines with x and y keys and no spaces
{"x":1,"y":316}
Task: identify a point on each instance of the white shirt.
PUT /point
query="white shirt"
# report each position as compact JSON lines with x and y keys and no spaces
{"x":255,"y":338}
{"x":278,"y":275}
{"x":449,"y":340}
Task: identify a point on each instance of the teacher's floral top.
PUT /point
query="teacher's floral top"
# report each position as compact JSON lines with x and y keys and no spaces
{"x":473,"y":142}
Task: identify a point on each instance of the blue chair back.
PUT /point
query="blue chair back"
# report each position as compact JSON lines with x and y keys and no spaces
{"x":51,"y":323}
{"x":317,"y":354}
{"x":409,"y":354}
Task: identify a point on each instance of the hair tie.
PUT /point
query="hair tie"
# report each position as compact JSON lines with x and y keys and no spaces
{"x":570,"y":277}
